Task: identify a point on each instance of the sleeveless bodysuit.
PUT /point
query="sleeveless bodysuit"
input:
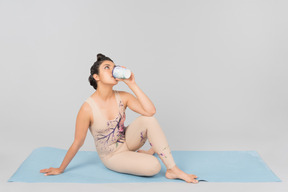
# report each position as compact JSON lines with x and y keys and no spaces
{"x":109,"y":135}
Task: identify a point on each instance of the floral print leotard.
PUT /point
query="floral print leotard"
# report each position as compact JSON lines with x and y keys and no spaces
{"x":108,"y":135}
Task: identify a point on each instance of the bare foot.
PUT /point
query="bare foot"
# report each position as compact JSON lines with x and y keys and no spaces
{"x":176,"y":173}
{"x":150,"y":151}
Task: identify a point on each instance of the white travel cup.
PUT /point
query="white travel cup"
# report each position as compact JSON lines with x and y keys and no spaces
{"x":121,"y":72}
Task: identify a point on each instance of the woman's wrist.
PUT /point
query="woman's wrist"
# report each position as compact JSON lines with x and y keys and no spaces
{"x":61,"y":169}
{"x":131,"y":84}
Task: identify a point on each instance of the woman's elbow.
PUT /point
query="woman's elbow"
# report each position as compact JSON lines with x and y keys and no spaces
{"x":78,"y":143}
{"x":152,"y":113}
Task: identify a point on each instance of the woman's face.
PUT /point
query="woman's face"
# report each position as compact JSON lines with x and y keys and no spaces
{"x":105,"y":72}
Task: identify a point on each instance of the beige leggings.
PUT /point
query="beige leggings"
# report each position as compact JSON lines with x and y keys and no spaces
{"x":126,"y":160}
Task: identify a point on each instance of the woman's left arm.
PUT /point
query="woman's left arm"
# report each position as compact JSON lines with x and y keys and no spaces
{"x":142,"y":98}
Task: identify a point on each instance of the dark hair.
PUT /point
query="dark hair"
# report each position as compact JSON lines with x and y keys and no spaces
{"x":95,"y":68}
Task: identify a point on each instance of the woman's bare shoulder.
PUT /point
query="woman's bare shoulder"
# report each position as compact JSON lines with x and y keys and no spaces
{"x":124,"y":96}
{"x":86,"y":111}
{"x":86,"y":107}
{"x":123,"y":93}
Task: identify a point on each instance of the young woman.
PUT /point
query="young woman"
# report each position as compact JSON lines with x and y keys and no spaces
{"x":103,"y":113}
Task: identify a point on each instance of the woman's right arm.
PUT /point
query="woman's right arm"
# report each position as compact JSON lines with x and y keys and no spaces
{"x":82,"y":125}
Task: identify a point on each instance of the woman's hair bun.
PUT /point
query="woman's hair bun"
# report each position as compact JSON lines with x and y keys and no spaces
{"x":100,"y":56}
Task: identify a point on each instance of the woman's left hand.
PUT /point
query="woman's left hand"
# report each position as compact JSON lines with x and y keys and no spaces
{"x":129,"y":81}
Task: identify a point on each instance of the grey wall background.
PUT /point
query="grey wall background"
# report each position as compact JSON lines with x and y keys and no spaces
{"x":215,"y":70}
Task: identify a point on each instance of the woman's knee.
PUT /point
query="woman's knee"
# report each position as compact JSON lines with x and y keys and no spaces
{"x":154,"y":167}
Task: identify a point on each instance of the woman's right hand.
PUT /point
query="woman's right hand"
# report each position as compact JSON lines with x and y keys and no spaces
{"x":51,"y":171}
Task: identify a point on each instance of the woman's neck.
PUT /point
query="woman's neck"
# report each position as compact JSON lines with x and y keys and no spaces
{"x":104,"y":93}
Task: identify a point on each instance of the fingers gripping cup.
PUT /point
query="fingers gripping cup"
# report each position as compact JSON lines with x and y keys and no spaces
{"x":121,"y":72}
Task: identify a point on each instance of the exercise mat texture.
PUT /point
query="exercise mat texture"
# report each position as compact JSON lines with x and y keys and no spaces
{"x":86,"y":167}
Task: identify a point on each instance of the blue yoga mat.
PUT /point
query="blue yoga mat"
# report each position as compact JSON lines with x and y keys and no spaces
{"x":86,"y":167}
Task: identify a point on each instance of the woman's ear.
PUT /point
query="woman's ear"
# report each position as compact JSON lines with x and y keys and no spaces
{"x":96,"y":77}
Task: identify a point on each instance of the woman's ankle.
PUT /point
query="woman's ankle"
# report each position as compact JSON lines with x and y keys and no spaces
{"x":174,"y":167}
